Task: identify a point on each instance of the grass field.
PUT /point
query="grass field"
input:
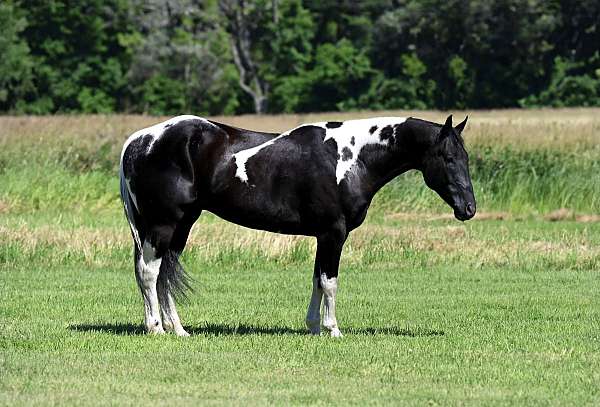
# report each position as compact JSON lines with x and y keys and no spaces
{"x":501,"y":310}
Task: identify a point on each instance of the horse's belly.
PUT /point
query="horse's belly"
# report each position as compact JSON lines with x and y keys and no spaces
{"x":271,"y":221}
{"x":281,"y":203}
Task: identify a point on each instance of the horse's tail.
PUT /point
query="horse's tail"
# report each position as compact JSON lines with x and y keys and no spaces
{"x":172,"y":278}
{"x":130,"y":209}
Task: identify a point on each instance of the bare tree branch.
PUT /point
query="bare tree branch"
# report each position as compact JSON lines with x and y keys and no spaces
{"x":235,"y":12}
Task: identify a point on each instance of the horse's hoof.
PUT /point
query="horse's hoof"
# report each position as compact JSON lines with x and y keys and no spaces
{"x":314,"y":327}
{"x":336,"y":333}
{"x":154,"y":327}
{"x":182,"y":333}
{"x":176,"y":329}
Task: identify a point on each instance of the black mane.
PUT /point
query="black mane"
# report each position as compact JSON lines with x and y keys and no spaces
{"x":438,"y":126}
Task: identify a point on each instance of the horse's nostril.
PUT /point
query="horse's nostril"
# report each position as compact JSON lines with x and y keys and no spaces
{"x":470,"y":209}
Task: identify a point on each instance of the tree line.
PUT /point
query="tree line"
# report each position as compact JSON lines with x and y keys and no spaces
{"x":241,"y":56}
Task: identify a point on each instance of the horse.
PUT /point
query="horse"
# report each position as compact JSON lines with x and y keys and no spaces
{"x":314,"y":180}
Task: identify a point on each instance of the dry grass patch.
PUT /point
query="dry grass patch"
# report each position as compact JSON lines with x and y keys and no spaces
{"x":564,"y":214}
{"x":371,"y":243}
{"x":587,"y":218}
{"x":480,"y":216}
{"x":560,"y":128}
{"x":4,"y":207}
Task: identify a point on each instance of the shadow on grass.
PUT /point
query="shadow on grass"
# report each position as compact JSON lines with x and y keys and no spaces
{"x":209,"y":329}
{"x":412,"y":332}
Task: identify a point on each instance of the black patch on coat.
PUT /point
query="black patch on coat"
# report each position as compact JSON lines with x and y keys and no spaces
{"x":333,"y":125}
{"x":372,"y":129}
{"x":308,"y":131}
{"x":352,"y":140}
{"x":387,"y":133}
{"x":134,"y":152}
{"x":168,"y":125}
{"x":346,"y":154}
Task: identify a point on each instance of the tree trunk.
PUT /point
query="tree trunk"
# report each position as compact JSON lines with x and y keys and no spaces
{"x":240,"y":40}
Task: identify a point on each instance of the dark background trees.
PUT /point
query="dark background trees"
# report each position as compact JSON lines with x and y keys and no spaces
{"x":240,"y":56}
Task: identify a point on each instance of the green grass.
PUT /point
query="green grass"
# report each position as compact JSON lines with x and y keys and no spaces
{"x":502,"y":325}
{"x":502,"y":310}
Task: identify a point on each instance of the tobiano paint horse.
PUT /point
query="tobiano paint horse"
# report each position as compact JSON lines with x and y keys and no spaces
{"x":314,"y":180}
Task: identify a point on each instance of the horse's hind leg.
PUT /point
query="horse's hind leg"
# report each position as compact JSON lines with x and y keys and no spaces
{"x":313,"y":315}
{"x":147,"y":269}
{"x":172,"y":278}
{"x":150,"y":263}
{"x":170,"y":318}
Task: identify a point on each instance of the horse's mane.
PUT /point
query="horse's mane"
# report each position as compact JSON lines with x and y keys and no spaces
{"x":457,"y":136}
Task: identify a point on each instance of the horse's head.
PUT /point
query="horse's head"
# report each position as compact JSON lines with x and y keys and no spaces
{"x":446,"y":170}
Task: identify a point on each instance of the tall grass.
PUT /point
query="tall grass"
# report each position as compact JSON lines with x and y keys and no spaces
{"x":522,"y":162}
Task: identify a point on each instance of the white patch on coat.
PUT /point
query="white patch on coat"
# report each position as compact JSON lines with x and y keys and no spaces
{"x":131,"y":194}
{"x":241,"y":157}
{"x":149,"y":267}
{"x":329,"y":287}
{"x":350,"y":130}
{"x":360,"y":131}
{"x":170,"y":317}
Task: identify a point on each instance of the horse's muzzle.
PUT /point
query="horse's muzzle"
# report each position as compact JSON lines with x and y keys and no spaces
{"x":466,"y":212}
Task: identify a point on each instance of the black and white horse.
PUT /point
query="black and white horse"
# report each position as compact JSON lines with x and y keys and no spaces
{"x":315,"y":180}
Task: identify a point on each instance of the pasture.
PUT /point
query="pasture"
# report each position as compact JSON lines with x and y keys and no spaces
{"x":501,"y":310}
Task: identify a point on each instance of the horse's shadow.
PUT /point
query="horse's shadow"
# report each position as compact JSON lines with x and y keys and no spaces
{"x":209,"y":329}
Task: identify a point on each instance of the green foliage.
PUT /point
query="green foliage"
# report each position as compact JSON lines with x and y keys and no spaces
{"x":116,"y":55}
{"x":16,"y":62}
{"x":339,"y":74}
{"x":288,"y":53}
{"x":163,"y":95}
{"x":410,"y":91}
{"x":566,"y":89}
{"x":462,"y":78}
{"x":78,"y":60}
{"x":335,"y":79}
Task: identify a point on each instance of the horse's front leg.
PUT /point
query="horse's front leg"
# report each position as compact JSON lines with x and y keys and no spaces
{"x":329,"y":251}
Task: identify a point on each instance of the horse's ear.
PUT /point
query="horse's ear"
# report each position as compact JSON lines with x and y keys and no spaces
{"x":461,"y":126}
{"x":448,"y":124}
{"x":446,"y":129}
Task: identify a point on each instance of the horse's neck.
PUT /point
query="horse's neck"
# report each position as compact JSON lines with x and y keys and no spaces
{"x":402,"y":152}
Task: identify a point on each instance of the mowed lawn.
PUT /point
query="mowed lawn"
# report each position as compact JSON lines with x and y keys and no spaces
{"x":432,"y":311}
{"x":501,"y":310}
